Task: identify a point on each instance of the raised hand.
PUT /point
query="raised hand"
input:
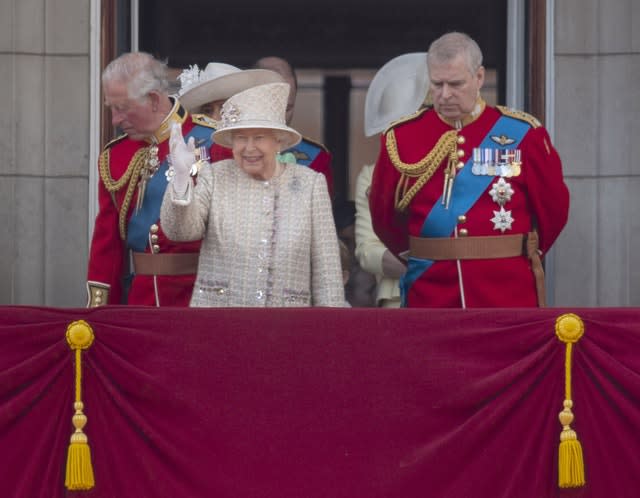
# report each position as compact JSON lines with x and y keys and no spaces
{"x":182,"y":156}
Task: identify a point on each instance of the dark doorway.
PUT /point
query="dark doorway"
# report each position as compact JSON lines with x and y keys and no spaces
{"x":333,"y":36}
{"x":329,"y":34}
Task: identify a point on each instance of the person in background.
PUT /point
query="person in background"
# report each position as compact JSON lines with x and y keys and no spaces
{"x":360,"y":286}
{"x":202,"y":92}
{"x":307,"y":152}
{"x":268,"y":235}
{"x":131,"y":261}
{"x":474,"y":193}
{"x":398,"y":89}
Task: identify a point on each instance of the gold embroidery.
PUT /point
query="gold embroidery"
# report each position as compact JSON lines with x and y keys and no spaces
{"x":521,"y":115}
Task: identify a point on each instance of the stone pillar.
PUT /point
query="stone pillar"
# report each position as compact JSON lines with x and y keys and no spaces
{"x":44,"y":143}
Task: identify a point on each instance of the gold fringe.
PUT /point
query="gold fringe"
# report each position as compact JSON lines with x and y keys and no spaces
{"x":79,"y":471}
{"x":569,"y":329}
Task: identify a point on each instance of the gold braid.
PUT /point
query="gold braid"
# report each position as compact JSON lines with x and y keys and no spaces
{"x":131,"y":176}
{"x":425,"y":168}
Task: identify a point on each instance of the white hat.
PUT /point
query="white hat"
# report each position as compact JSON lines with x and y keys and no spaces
{"x":398,"y":88}
{"x":219,"y":81}
{"x":262,"y":106}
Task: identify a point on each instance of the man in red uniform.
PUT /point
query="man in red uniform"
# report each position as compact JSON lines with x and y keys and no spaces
{"x":307,"y":152}
{"x":471,"y":195}
{"x":131,"y":261}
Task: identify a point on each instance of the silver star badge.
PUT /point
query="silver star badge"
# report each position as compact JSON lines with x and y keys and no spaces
{"x":502,"y":220}
{"x":501,"y":192}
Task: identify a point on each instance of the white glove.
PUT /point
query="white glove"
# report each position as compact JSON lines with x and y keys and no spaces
{"x":182,"y":157}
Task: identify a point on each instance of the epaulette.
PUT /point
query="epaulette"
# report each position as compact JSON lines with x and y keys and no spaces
{"x":521,"y":115}
{"x":110,"y":144}
{"x":318,"y":144}
{"x":405,"y":119}
{"x":204,"y":120}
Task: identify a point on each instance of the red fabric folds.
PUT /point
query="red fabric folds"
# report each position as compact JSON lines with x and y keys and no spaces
{"x":310,"y":403}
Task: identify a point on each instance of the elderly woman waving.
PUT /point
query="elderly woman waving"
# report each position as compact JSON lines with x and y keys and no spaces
{"x":267,"y":226}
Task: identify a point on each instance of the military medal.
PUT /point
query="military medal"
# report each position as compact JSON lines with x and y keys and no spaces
{"x":501,"y":192}
{"x":146,"y":173}
{"x":516,"y":165}
{"x":497,"y":162}
{"x":476,"y":169}
{"x":502,"y":220}
{"x":202,"y":158}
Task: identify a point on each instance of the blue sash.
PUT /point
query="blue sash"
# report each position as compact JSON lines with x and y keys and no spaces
{"x":149,"y":213}
{"x":467,"y":189}
{"x":305,"y":152}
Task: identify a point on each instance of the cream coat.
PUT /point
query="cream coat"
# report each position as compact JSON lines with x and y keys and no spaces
{"x":266,"y":243}
{"x":369,"y":249}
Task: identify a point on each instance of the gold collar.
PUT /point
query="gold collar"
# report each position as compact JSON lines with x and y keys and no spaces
{"x":178,"y":114}
{"x":469,"y":118}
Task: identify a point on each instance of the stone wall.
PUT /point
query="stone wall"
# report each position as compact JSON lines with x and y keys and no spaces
{"x":597,"y":132}
{"x":44,"y":143}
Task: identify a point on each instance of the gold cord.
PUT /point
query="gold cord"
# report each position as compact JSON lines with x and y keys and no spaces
{"x":130,"y":176}
{"x":569,"y":329}
{"x":424,"y":169}
{"x":79,"y":470}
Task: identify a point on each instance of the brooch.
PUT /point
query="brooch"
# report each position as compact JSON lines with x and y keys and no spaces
{"x":502,"y":220}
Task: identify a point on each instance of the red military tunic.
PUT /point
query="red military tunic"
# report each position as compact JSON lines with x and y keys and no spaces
{"x":111,"y":245}
{"x":540,"y":200}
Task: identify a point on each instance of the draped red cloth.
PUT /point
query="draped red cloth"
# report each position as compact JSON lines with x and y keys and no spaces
{"x":310,"y":403}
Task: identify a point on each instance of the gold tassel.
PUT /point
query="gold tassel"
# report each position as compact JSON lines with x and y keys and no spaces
{"x":569,"y":329}
{"x":79,"y":473}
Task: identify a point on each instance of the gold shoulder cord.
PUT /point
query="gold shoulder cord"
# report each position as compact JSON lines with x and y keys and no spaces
{"x":424,"y":169}
{"x":130,"y":175}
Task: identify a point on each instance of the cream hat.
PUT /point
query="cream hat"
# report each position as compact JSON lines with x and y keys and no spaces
{"x":398,"y":88}
{"x":261,"y":106}
{"x":218,"y":81}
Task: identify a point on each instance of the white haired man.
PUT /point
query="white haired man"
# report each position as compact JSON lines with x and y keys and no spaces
{"x":131,"y":261}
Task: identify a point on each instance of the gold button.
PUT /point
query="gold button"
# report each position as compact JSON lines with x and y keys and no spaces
{"x":462,"y":218}
{"x":98,"y":293}
{"x":98,"y":300}
{"x":463,"y":232}
{"x":460,"y":165}
{"x":461,"y":140}
{"x":460,"y":153}
{"x":154,"y":228}
{"x":154,"y":238}
{"x":155,"y":248}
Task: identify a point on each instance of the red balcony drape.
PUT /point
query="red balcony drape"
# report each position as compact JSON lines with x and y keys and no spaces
{"x":319,"y":403}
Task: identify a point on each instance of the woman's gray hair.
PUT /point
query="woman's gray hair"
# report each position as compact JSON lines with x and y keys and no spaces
{"x":449,"y":46}
{"x":141,"y":72}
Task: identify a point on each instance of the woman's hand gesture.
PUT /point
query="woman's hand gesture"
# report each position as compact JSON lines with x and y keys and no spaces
{"x":182,"y":156}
